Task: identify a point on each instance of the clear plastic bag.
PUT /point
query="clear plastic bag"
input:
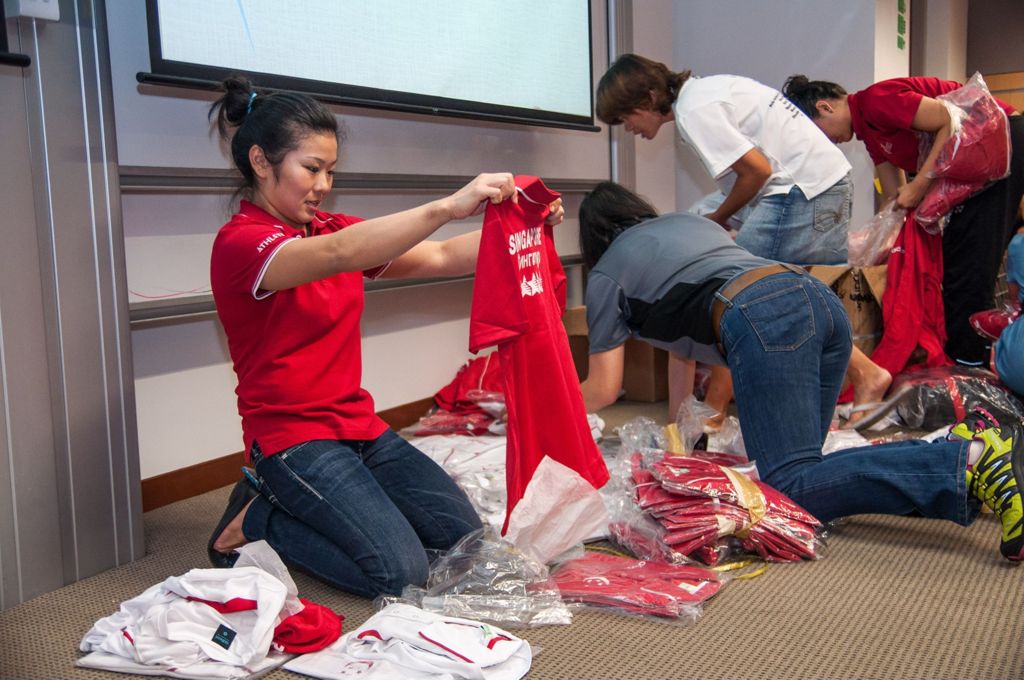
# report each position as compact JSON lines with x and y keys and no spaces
{"x":652,"y":589}
{"x":942,"y":396}
{"x":259,"y":554}
{"x":487,"y":578}
{"x":438,"y":421}
{"x":477,"y":464}
{"x":729,"y":439}
{"x":690,"y":419}
{"x":698,"y":503}
{"x":977,"y":152}
{"x":870,"y":244}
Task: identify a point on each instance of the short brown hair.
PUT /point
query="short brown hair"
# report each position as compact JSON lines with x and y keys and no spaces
{"x":630,"y":83}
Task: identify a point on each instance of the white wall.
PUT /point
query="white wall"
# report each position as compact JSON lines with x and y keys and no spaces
{"x":939,"y":42}
{"x":995,"y":33}
{"x":769,"y":41}
{"x":655,"y":158}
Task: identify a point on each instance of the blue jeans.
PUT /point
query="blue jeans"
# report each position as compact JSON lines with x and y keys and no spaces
{"x":790,"y":228}
{"x":787,"y":342}
{"x":357,"y":514}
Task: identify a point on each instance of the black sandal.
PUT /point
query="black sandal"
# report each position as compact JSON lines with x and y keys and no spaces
{"x":240,"y":497}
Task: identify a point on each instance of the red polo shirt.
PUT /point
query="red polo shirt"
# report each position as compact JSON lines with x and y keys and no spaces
{"x":296,"y":352}
{"x":882,"y":115}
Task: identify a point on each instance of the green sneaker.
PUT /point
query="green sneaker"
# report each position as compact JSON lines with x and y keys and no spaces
{"x":997,"y":480}
{"x":978,"y":420}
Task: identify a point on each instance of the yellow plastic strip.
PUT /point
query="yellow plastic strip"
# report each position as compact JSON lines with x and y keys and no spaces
{"x":752,"y":574}
{"x":675,"y":441}
{"x":749,"y":496}
{"x":733,"y":566}
{"x":743,"y":564}
{"x":590,"y":547}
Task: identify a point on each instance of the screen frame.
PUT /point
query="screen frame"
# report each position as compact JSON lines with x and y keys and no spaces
{"x":207,"y":77}
{"x":12,"y":58}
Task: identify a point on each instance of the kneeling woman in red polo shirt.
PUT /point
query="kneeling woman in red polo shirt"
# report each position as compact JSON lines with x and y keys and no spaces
{"x":888,"y":117}
{"x":335,"y":491}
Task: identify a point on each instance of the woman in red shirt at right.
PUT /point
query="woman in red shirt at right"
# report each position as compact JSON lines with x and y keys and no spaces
{"x":888,"y":117}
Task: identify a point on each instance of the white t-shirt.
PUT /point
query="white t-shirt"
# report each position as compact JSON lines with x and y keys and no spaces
{"x":724,"y":117}
{"x":203,"y":619}
{"x":402,"y":642}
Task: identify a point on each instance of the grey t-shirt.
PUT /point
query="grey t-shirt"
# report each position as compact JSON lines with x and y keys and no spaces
{"x":656,"y":282}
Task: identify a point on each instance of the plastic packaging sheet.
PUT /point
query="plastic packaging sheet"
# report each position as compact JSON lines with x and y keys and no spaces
{"x":942,"y":396}
{"x":259,"y":554}
{"x":690,"y":419}
{"x":639,"y":587}
{"x":485,"y":577}
{"x":977,"y":152}
{"x":477,"y":464}
{"x":870,"y":244}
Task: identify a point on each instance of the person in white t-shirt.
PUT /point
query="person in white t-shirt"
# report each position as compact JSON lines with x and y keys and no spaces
{"x":781,"y":180}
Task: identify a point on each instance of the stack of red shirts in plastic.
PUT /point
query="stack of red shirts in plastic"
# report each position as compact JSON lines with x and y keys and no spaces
{"x":459,"y":409}
{"x":698,"y":502}
{"x":977,"y":154}
{"x":651,"y":588}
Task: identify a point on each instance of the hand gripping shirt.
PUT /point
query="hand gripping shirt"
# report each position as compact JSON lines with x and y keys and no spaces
{"x":296,"y":352}
{"x":518,"y":298}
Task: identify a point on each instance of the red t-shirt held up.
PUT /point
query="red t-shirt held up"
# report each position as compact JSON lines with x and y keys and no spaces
{"x":296,"y":352}
{"x":518,"y":299}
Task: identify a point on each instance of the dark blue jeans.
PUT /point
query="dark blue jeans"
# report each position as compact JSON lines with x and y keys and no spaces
{"x":787,"y":342}
{"x":357,"y":514}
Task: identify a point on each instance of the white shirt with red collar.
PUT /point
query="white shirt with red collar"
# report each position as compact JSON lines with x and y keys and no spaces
{"x":402,"y":642}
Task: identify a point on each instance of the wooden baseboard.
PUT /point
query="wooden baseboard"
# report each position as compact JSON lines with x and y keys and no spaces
{"x":406,"y":414}
{"x":177,"y":485}
{"x":193,"y":480}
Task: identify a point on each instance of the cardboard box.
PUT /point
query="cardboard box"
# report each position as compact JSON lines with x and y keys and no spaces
{"x":861,"y":290}
{"x":645,"y":375}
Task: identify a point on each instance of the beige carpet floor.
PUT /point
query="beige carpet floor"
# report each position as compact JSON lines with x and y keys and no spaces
{"x":893,"y":598}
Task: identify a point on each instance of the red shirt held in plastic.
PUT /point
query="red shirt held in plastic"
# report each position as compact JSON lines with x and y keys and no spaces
{"x":518,"y":299}
{"x":882,"y":115}
{"x":296,"y":352}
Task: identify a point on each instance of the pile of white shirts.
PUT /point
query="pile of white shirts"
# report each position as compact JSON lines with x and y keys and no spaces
{"x":208,"y":623}
{"x":402,"y":642}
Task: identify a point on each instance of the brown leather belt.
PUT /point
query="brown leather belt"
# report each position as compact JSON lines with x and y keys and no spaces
{"x":724,"y":296}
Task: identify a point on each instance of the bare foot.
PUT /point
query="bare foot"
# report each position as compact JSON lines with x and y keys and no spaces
{"x":714,"y":423}
{"x":232,"y":536}
{"x":870,"y":383}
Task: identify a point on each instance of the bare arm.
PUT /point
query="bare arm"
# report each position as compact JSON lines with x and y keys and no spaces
{"x":604,"y":378}
{"x":891,"y":178}
{"x":752,"y":171}
{"x":373,"y":242}
{"x":931,"y":116}
{"x":452,"y":257}
{"x":455,"y":256}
